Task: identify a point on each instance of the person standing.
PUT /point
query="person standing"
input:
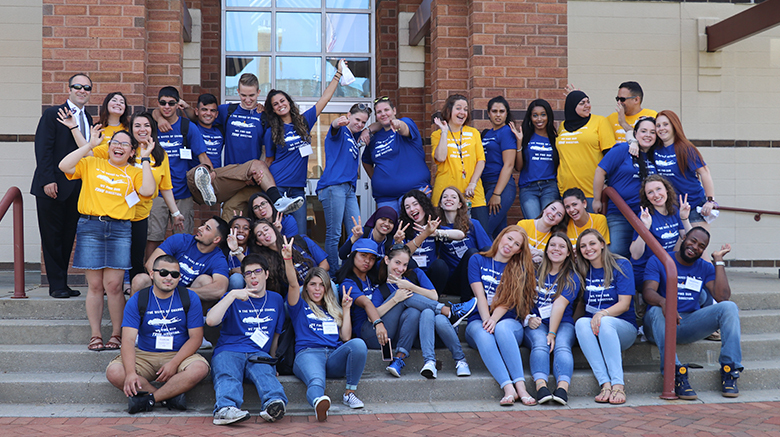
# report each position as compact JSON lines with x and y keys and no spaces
{"x":628,"y":110}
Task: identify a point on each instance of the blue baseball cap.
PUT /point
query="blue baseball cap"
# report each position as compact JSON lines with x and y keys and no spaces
{"x":365,"y":245}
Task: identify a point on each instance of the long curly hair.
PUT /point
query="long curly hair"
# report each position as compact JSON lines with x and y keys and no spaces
{"x":608,"y":259}
{"x":158,"y":153}
{"x":528,"y":129}
{"x":300,"y":125}
{"x":428,"y":210}
{"x":394,"y":252}
{"x":462,"y":221}
{"x":517,"y":288}
{"x":329,"y":300}
{"x":273,"y":253}
{"x":671,"y":196}
{"x":683,"y":147}
{"x":250,"y":212}
{"x":124,"y":118}
{"x":567,"y":272}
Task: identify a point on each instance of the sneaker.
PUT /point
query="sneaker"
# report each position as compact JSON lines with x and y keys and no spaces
{"x":543,"y":395}
{"x":395,"y":367}
{"x":205,"y":344}
{"x":203,"y":182}
{"x":429,"y":370}
{"x":462,"y":368}
{"x":560,"y":396}
{"x":460,"y":311}
{"x":229,"y":415}
{"x":273,"y":411}
{"x":352,"y":401}
{"x":176,"y":403}
{"x":728,"y":377}
{"x":682,"y":388}
{"x":321,"y":407}
{"x":143,"y":401}
{"x":285,"y":205}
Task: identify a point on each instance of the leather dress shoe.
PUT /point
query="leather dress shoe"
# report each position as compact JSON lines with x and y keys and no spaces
{"x":60,"y":294}
{"x":73,"y":293}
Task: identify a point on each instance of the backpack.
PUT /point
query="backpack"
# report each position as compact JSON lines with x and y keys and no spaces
{"x":285,"y":349}
{"x":143,"y":301}
{"x":231,"y":109}
{"x":185,"y":129}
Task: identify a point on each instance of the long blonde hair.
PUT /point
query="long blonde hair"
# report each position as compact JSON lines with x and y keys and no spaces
{"x":608,"y":259}
{"x":567,"y":272}
{"x":329,"y":300}
{"x":517,"y":288}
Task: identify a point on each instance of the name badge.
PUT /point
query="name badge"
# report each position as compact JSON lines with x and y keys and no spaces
{"x":590,"y":309}
{"x":421,"y":260}
{"x":164,"y":342}
{"x":259,"y":337}
{"x":185,"y":153}
{"x":330,"y":328}
{"x":693,"y":284}
{"x":305,"y":150}
{"x":132,"y":199}
{"x":460,"y":250}
{"x":545,"y":311}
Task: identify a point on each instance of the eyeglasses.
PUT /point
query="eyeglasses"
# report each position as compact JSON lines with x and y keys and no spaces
{"x":381,"y":99}
{"x":79,"y":87}
{"x":260,"y":205}
{"x":256,"y":272}
{"x":165,"y":272}
{"x":117,"y":143}
{"x":623,"y":99}
{"x":168,"y":102}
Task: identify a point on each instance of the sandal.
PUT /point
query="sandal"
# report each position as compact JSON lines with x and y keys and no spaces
{"x":96,"y":343}
{"x":528,"y":401}
{"x":617,"y":392}
{"x":604,"y":395}
{"x":507,"y":401}
{"x":114,"y":345}
{"x":715,"y":336}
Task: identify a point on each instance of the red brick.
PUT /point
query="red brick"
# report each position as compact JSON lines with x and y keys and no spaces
{"x":103,"y":77}
{"x":79,"y":63}
{"x":552,"y":51}
{"x":133,"y":55}
{"x":510,"y":39}
{"x":84,"y":43}
{"x":541,"y":19}
{"x":133,"y":33}
{"x":552,"y":72}
{"x":81,"y":21}
{"x":552,"y":30}
{"x":542,"y":62}
{"x":493,"y":6}
{"x":70,"y":10}
{"x":541,"y":40}
{"x":104,"y":32}
{"x":116,"y":21}
{"x":493,"y":50}
{"x":458,"y":53}
{"x":115,"y":43}
{"x":53,"y":43}
{"x":520,"y":72}
{"x":70,"y":31}
{"x":167,"y":15}
{"x":135,"y":11}
{"x":53,"y":65}
{"x":52,"y":20}
{"x":164,"y":58}
{"x":65,"y":54}
{"x":552,"y":9}
{"x":133,"y":77}
{"x":513,"y":7}
{"x":541,"y":83}
{"x":105,"y":10}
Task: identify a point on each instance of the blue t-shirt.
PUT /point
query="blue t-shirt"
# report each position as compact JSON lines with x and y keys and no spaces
{"x":623,"y":176}
{"x":476,"y":238}
{"x":495,"y":142}
{"x":289,"y":226}
{"x":242,"y":319}
{"x":289,"y":167}
{"x":367,"y":289}
{"x":422,"y":281}
{"x":308,"y":328}
{"x":315,"y":254}
{"x":341,"y":158}
{"x":666,"y":229}
{"x":488,"y":272}
{"x":538,"y":164}
{"x":172,"y":142}
{"x":545,"y":296}
{"x":163,"y":317}
{"x":214,"y":142}
{"x":399,"y":163}
{"x":684,"y":183}
{"x":192,"y":261}
{"x":234,"y":262}
{"x":599,"y":297}
{"x":425,"y":253}
{"x":243,"y":134}
{"x":690,"y":281}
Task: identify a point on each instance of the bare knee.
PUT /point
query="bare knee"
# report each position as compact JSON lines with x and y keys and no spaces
{"x":115,"y":373}
{"x":141,"y":280}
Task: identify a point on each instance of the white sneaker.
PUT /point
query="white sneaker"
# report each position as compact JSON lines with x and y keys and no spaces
{"x":429,"y":370}
{"x":229,"y":415}
{"x":205,"y":344}
{"x":321,"y":407}
{"x":352,"y":401}
{"x":462,"y":368}
{"x":274,"y":411}
{"x":285,"y":205}
{"x":203,"y":182}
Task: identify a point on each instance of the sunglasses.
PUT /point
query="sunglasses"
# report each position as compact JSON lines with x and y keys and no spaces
{"x":381,"y":99}
{"x":256,"y":272}
{"x":79,"y":87}
{"x":165,"y":272}
{"x":168,"y":102}
{"x":623,"y":99}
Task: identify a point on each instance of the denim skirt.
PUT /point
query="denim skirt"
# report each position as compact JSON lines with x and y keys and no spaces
{"x":102,"y":243}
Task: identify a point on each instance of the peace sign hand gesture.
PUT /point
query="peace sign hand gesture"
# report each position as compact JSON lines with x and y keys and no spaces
{"x":346,"y":300}
{"x":645,"y":216}
{"x":357,"y":230}
{"x":287,"y":248}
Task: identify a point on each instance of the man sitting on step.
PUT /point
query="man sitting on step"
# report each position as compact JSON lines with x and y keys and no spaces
{"x":695,"y":276}
{"x":167,"y":320}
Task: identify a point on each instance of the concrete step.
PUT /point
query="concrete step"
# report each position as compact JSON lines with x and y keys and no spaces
{"x":45,"y":307}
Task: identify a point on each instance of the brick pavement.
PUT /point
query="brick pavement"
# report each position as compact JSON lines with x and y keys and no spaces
{"x":738,"y":419}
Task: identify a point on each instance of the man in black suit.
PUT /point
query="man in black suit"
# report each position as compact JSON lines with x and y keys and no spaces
{"x":56,"y":197}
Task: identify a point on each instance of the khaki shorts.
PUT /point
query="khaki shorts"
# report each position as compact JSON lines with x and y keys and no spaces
{"x":148,"y":363}
{"x":160,"y":217}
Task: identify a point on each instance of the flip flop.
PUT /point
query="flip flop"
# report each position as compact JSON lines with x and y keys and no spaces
{"x":617,"y":391}
{"x":528,"y":401}
{"x":604,"y":391}
{"x":507,"y":401}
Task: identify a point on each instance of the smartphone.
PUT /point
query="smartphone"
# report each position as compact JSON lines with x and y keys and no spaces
{"x":263,"y":359}
{"x":387,"y":351}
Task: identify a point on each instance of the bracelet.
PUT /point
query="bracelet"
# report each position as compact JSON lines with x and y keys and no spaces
{"x":74,"y":127}
{"x":553,"y":333}
{"x":236,"y":252}
{"x":496,"y":194}
{"x":606,"y":311}
{"x":146,"y":159}
{"x":376,"y":322}
{"x":720,"y":263}
{"x":176,"y":214}
{"x":684,"y":219}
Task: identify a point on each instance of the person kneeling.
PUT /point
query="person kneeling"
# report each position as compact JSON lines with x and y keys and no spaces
{"x":695,"y":322}
{"x":252,"y":319}
{"x":168,"y":322}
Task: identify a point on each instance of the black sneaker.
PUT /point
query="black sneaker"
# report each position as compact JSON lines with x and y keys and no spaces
{"x":176,"y":403}
{"x":543,"y":395}
{"x":728,"y":378}
{"x":143,"y":401}
{"x":560,"y":396}
{"x":682,"y":388}
{"x":274,"y":411}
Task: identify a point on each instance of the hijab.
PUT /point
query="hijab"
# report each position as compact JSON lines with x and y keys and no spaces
{"x":573,"y":121}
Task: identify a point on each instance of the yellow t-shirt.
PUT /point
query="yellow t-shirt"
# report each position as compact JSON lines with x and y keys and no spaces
{"x":109,"y":132}
{"x":162,"y":181}
{"x":620,"y":133}
{"x":596,"y":221}
{"x":536,"y":239}
{"x":580,"y":153}
{"x":450,"y":172}
{"x":104,"y":187}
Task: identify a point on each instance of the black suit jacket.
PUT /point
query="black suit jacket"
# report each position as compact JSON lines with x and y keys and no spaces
{"x":53,"y":141}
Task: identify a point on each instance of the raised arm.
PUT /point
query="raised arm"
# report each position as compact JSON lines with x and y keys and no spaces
{"x":331,"y":89}
{"x":293,"y":289}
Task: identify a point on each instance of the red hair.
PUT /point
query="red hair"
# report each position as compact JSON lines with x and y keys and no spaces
{"x":683,"y":147}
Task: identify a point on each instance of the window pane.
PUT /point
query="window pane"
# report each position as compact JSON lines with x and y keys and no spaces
{"x":347,"y":33}
{"x":299,"y":4}
{"x":299,"y":76}
{"x":252,"y":3}
{"x":248,"y":32}
{"x":318,"y":133}
{"x":298,"y":32}
{"x":347,"y":4}
{"x":235,"y":66}
{"x":361,"y":68}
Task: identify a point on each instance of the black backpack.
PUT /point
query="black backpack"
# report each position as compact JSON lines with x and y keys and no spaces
{"x":285,"y":349}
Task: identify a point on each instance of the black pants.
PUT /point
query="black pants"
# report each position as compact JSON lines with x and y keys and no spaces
{"x":455,"y":284}
{"x":57,"y":221}
{"x":138,"y":247}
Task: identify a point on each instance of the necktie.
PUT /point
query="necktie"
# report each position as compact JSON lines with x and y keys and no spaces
{"x":83,"y":124}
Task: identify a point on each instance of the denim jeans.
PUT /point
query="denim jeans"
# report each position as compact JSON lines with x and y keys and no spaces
{"x":620,"y":235}
{"x":497,"y":222}
{"x":604,"y":352}
{"x":536,"y":195}
{"x":236,"y":281}
{"x":432,"y":324}
{"x":536,"y":340}
{"x":401,"y":324}
{"x":339,"y":205}
{"x":300,"y":214}
{"x":480,"y":214}
{"x":697,"y":325}
{"x":230,"y":369}
{"x":313,"y":365}
{"x":500,"y":351}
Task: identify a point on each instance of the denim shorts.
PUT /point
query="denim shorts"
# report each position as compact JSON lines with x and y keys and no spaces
{"x":102,"y":244}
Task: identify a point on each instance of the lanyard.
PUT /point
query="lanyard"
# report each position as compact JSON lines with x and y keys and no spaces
{"x":257,"y":313}
{"x":165,"y":316}
{"x":459,"y":145}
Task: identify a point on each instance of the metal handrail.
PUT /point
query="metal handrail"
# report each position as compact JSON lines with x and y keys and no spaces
{"x":14,"y":196}
{"x":670,"y":343}
{"x":757,"y":212}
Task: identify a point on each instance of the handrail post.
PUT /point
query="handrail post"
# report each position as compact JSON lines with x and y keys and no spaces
{"x":14,"y":196}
